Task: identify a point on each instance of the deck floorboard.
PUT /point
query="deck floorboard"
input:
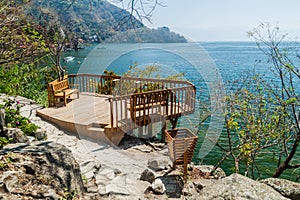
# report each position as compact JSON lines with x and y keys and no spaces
{"x":88,"y":109}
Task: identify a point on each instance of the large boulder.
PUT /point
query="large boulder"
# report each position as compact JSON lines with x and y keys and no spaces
{"x":40,"y":170}
{"x":287,"y":188}
{"x":237,"y":186}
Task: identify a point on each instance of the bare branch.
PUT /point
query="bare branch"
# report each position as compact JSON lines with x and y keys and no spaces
{"x":141,"y":9}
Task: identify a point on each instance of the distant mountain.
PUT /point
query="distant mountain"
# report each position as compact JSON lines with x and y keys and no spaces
{"x":147,"y":35}
{"x":96,"y":21}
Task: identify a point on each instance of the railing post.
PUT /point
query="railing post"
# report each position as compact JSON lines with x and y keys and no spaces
{"x":111,"y":113}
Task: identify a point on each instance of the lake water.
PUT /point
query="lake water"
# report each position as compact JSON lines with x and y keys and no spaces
{"x":204,"y":64}
{"x":230,"y":57}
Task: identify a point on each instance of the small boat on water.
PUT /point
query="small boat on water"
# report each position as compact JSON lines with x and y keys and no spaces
{"x":68,"y":59}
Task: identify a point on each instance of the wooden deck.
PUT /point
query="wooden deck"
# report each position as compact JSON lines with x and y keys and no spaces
{"x":89,"y":108}
{"x":88,"y":116}
{"x":109,"y":117}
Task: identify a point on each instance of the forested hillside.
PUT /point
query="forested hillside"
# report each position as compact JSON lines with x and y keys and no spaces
{"x":147,"y":35}
{"x":94,"y":20}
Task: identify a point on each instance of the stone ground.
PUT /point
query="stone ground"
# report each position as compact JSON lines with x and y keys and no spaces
{"x":107,"y":170}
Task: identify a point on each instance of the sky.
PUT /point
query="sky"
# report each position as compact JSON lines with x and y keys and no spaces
{"x":226,"y":20}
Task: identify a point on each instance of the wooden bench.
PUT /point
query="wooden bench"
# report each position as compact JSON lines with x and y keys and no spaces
{"x":144,"y":104}
{"x":61,"y":90}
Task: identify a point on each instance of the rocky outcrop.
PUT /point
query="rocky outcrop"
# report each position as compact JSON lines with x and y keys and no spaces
{"x":171,"y":184}
{"x":202,"y":185}
{"x":286,"y":188}
{"x":237,"y":186}
{"x":39,"y":170}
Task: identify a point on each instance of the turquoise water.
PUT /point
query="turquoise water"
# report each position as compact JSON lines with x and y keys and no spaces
{"x":204,"y":64}
{"x":233,"y":59}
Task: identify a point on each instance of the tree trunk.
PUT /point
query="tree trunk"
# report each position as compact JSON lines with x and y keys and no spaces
{"x":61,"y":72}
{"x":2,"y":119}
{"x":285,"y":164}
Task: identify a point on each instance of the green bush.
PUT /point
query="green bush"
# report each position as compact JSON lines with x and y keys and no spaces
{"x":14,"y":119}
{"x":26,"y":80}
{"x":4,"y":141}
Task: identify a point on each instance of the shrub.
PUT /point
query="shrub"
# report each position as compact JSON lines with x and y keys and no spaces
{"x":14,"y":119}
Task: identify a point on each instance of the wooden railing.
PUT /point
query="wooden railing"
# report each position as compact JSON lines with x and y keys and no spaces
{"x":180,"y":99}
{"x":91,"y":83}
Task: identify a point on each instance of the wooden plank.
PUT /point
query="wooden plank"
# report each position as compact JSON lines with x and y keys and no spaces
{"x":185,"y":163}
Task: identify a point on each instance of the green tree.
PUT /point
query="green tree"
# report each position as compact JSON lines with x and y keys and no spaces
{"x":262,"y":117}
{"x":255,"y":124}
{"x":287,"y":93}
{"x":20,"y":41}
{"x":23,"y":49}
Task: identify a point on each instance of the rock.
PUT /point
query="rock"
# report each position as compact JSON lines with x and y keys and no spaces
{"x":89,"y":168}
{"x":118,"y":186}
{"x":117,"y":171}
{"x":10,"y":180}
{"x":103,"y":178}
{"x":173,"y":184}
{"x":189,"y":189}
{"x":108,"y":173}
{"x":158,"y":186}
{"x":143,"y":148}
{"x":160,"y":163}
{"x":39,"y":170}
{"x":31,"y":139}
{"x":286,"y":188}
{"x":157,"y":145}
{"x":204,"y":171}
{"x":237,"y":186}
{"x":40,"y":134}
{"x":148,"y":175}
{"x":30,"y":168}
{"x":17,"y":135}
{"x":51,"y":194}
{"x":199,"y":184}
{"x":91,"y":188}
{"x":129,"y":141}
